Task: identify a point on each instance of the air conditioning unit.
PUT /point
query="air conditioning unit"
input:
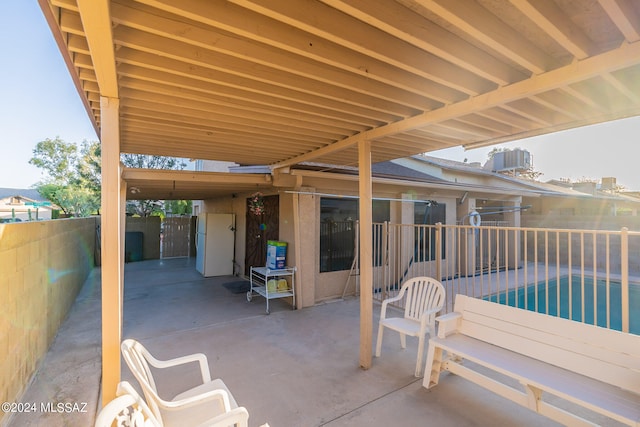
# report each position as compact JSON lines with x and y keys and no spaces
{"x":514,"y":160}
{"x":608,"y":183}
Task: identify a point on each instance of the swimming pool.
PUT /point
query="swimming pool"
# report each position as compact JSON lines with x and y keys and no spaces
{"x":527,"y":299}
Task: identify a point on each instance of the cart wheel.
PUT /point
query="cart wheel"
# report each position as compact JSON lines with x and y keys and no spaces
{"x":249,"y":295}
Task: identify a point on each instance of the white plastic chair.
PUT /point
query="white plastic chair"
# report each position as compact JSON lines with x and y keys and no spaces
{"x":425,"y":298}
{"x":208,"y":404}
{"x":127,"y":409}
{"x":130,"y":410}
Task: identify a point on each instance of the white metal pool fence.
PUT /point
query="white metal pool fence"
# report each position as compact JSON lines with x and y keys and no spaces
{"x":494,"y":260}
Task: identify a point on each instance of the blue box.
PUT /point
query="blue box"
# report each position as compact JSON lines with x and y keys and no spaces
{"x":276,"y":254}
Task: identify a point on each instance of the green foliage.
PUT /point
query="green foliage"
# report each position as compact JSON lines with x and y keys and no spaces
{"x":494,"y":151}
{"x":146,"y":208}
{"x":178,"y":207}
{"x":90,"y":166}
{"x":81,"y":201}
{"x":57,"y":158}
{"x":146,"y":161}
{"x":73,"y":175}
{"x":49,"y":192}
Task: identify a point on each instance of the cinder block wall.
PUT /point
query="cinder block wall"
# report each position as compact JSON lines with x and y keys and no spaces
{"x":43,"y":265}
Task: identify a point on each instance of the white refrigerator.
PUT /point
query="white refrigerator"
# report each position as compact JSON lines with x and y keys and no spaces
{"x":215,"y":244}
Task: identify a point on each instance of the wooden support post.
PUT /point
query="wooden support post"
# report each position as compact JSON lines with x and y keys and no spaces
{"x":112,"y":247}
{"x":366,"y":251}
{"x":298,"y":250}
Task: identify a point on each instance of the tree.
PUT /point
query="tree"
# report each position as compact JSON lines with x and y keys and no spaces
{"x":178,"y":207}
{"x":73,"y":179}
{"x":146,"y":208}
{"x":57,"y":158}
{"x":73,"y":176}
{"x":90,"y":166}
{"x":147,"y":161}
{"x":82,"y":201}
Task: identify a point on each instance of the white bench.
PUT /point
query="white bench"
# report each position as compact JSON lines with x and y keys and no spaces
{"x":590,"y":366}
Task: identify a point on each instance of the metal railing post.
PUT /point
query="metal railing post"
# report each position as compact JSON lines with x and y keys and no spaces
{"x":439,"y":251}
{"x":624,"y":286}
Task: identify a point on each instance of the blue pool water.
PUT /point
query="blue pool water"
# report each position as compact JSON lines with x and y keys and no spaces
{"x":520,"y":298}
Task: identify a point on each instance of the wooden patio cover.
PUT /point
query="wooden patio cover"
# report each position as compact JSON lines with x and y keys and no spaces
{"x":278,"y":82}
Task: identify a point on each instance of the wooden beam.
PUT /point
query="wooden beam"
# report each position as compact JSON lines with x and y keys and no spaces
{"x":366,"y":251}
{"x":333,"y":148}
{"x":575,"y":72}
{"x":189,"y":176}
{"x":329,"y":23}
{"x":623,"y":14}
{"x":411,"y":27}
{"x":283,"y":98}
{"x":241,"y":72}
{"x":488,"y":29}
{"x":112,"y":241}
{"x":264,"y":25}
{"x":548,"y":16}
{"x":96,"y":22}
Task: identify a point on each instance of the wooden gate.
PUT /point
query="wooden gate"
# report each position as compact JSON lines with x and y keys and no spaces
{"x":176,"y":232}
{"x":261,"y":228}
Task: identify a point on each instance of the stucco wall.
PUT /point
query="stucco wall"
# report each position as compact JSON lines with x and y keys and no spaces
{"x":312,"y":286}
{"x":42,"y":268}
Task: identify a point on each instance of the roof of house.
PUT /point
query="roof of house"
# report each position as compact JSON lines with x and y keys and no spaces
{"x":30,"y":194}
{"x":381,"y":170}
{"x":550,"y":188}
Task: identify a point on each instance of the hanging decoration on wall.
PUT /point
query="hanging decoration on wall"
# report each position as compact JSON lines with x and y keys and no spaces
{"x":256,"y":204}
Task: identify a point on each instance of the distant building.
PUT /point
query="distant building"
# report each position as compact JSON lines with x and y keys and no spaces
{"x":18,"y":204}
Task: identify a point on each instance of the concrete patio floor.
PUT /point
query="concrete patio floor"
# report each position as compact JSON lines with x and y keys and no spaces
{"x":290,"y":368}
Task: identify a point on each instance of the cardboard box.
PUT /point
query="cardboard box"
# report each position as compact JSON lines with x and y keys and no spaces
{"x":276,"y":254}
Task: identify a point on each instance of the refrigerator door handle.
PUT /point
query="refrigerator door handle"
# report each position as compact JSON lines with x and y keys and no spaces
{"x":197,"y":231}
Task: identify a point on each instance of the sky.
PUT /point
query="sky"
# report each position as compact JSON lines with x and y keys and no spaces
{"x":40,"y":101}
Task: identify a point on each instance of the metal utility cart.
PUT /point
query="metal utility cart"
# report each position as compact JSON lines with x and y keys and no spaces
{"x":260,"y":277}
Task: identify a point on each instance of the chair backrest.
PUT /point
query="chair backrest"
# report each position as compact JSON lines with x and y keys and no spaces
{"x":422,"y":293}
{"x":136,"y":356}
{"x":128,"y":409}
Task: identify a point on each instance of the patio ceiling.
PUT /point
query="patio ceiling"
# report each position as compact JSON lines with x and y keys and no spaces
{"x":277,"y":82}
{"x":149,"y":184}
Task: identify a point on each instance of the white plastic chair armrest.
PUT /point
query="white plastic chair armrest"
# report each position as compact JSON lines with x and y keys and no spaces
{"x":383,"y":309}
{"x":236,"y":417}
{"x":197,"y":357}
{"x":188,"y":402}
{"x":425,"y":315}
{"x":432,"y":310}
